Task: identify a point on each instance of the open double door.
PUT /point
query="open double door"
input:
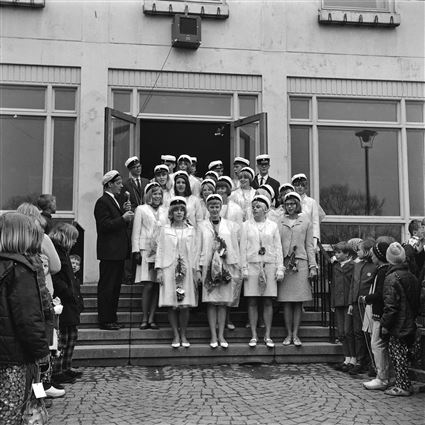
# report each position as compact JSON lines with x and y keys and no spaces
{"x":126,"y":135}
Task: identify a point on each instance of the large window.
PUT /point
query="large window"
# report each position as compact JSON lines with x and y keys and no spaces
{"x":37,"y":144}
{"x":381,"y":5}
{"x":365,"y":159}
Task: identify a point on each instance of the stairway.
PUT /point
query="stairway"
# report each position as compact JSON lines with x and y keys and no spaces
{"x":130,"y":345}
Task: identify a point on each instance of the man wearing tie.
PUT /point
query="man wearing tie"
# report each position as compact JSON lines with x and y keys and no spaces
{"x":263,"y":165}
{"x":135,"y":184}
{"x":113,"y":247}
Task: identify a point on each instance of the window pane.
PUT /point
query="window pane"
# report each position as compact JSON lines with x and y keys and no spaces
{"x":357,"y":4}
{"x":247,"y":141}
{"x":357,"y":110}
{"x":415,"y":112}
{"x":416,"y":164}
{"x":356,"y":180}
{"x":120,"y":145}
{"x":300,"y":152}
{"x":21,"y":160}
{"x":122,"y":100}
{"x":186,"y":104}
{"x":63,"y":163}
{"x":333,"y":233}
{"x":300,"y":108}
{"x":247,"y":105}
{"x":22,"y":97}
{"x":65,"y":99}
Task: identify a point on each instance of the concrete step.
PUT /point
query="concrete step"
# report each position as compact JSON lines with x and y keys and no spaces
{"x":194,"y":334}
{"x":198,"y":317}
{"x":90,"y":289}
{"x":164,"y":354}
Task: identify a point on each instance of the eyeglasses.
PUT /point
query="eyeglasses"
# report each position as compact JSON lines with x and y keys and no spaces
{"x":290,"y":204}
{"x":299,"y":183}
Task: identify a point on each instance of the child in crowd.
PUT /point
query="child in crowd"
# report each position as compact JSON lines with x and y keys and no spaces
{"x":342,"y":272}
{"x":375,"y":299}
{"x":66,"y":288}
{"x":401,"y":306}
{"x":363,"y":276}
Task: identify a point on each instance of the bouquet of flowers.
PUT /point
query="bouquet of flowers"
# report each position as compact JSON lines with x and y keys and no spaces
{"x":290,"y":262}
{"x":217,"y":273}
{"x":262,"y":279}
{"x":180,"y":273}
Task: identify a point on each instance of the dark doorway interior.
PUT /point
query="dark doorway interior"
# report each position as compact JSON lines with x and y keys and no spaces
{"x":158,"y":137}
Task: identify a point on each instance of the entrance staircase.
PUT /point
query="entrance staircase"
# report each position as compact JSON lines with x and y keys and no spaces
{"x":130,"y":345}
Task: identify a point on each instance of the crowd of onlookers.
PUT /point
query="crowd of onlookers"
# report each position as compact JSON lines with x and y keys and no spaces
{"x":192,"y":240}
{"x":40,"y":306}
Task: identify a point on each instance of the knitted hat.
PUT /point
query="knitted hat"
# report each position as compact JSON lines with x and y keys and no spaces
{"x":354,"y":243}
{"x":396,"y":254}
{"x":380,"y":250}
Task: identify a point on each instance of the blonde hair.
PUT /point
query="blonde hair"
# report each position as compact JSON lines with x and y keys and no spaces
{"x":19,"y":234}
{"x":64,"y":235}
{"x":174,"y":208}
{"x":32,"y":211}
{"x":148,"y":196}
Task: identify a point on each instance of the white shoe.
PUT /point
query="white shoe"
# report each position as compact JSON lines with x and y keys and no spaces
{"x":376,"y":384}
{"x":53,"y":392}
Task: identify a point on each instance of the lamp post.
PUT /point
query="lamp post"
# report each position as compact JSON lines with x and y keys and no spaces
{"x":366,"y":142}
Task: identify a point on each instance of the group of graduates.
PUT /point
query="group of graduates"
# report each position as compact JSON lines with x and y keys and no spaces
{"x":40,"y":306}
{"x":376,"y":296}
{"x":205,"y":240}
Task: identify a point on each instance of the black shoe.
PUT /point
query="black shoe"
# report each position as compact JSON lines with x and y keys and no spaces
{"x":109,"y":326}
{"x":153,"y":325}
{"x":63,"y":378}
{"x":339,"y":366}
{"x":73,"y":373}
{"x":356,"y":369}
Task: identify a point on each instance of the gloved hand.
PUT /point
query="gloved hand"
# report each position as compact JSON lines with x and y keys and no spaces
{"x":58,"y":309}
{"x":280,"y":274}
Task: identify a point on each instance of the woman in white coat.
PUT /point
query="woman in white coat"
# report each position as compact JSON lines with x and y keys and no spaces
{"x":148,"y":219}
{"x":193,"y":203}
{"x":162,"y":176}
{"x":218,"y":267}
{"x":230,"y":209}
{"x":207,"y":189}
{"x":175,"y":264}
{"x":262,"y":266}
{"x":278,"y":213}
{"x":244,"y":195}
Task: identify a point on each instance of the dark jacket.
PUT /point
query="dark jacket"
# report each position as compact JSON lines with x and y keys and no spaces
{"x":340,"y":285}
{"x":22,"y":327}
{"x":136,"y":195}
{"x":401,"y":302}
{"x":113,"y":242}
{"x":65,"y":287}
{"x":49,"y":222}
{"x":363,"y":276}
{"x":270,"y":181}
{"x":377,"y":298}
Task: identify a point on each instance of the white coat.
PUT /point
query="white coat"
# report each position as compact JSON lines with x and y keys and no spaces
{"x":315,"y":213}
{"x":244,"y":199}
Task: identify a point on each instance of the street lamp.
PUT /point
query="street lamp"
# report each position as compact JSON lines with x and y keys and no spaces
{"x":366,"y":142}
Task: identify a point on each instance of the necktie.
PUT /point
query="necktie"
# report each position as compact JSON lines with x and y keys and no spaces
{"x":261,"y":181}
{"x":139,"y":188}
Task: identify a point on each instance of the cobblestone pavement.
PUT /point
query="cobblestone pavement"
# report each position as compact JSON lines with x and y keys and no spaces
{"x":234,"y":394}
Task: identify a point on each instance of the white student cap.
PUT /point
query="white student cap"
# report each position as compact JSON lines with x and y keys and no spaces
{"x":150,"y":186}
{"x":214,"y":197}
{"x":177,"y":200}
{"x":170,"y":158}
{"x":241,"y":160}
{"x":226,"y":179}
{"x":263,"y":199}
{"x":131,"y":162}
{"x":248,"y":170}
{"x":298,"y":177}
{"x":216,"y":163}
{"x":263,"y":157}
{"x":185,"y":157}
{"x":194,"y":159}
{"x":286,"y":186}
{"x":208,"y":181}
{"x":110,"y":176}
{"x":161,"y":167}
{"x":292,"y":195}
{"x":268,"y":189}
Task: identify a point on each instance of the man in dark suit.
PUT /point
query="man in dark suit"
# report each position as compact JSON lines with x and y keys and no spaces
{"x":113,"y":247}
{"x":134,"y":185}
{"x":133,"y":189}
{"x":263,"y":165}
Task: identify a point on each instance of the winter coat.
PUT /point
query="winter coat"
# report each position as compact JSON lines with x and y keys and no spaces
{"x":66,"y":287}
{"x":22,"y":327}
{"x":401,"y":302}
{"x":363,"y":277}
{"x":340,"y":285}
{"x":377,"y":297}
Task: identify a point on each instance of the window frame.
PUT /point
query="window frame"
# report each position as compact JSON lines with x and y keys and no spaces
{"x":401,"y":126}
{"x":49,"y":113}
{"x":388,"y":9}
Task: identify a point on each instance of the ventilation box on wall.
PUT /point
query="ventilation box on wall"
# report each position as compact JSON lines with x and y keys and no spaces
{"x":186,"y":31}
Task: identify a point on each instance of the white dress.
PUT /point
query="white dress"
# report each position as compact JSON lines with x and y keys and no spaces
{"x":177,"y":245}
{"x":244,"y":199}
{"x":146,"y":226}
{"x":255,"y":236}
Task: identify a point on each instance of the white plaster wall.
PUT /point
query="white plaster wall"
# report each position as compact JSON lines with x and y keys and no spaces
{"x":274,"y":39}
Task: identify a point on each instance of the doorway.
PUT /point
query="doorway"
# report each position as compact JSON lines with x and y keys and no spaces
{"x":207,"y":141}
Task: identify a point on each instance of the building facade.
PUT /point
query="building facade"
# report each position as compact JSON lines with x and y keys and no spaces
{"x":331,"y":88}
